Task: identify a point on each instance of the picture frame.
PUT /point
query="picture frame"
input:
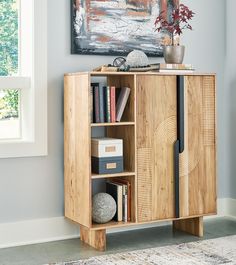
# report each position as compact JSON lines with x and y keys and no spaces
{"x":116,"y":28}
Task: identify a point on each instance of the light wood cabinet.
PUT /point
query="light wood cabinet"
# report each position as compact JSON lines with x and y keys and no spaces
{"x":169,"y":135}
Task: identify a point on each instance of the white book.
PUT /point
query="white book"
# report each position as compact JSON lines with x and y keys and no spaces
{"x":175,"y":71}
{"x":125,"y":208}
{"x":121,"y":103}
{"x":125,"y":202}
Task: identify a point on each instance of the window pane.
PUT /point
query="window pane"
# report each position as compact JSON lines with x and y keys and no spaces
{"x":9,"y":61}
{"x":10,"y":114}
{"x":9,"y":37}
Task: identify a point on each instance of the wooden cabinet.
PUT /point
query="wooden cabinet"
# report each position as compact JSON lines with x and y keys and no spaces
{"x":169,"y":135}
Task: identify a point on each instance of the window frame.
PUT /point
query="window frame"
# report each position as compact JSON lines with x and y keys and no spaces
{"x":32,"y":81}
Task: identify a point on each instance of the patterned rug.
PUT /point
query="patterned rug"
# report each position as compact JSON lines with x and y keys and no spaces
{"x":214,"y":251}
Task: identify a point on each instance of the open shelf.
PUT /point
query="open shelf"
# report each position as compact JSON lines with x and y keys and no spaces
{"x":125,"y":130}
{"x":112,"y":224}
{"x":112,"y":124}
{"x":99,"y":185}
{"x":122,"y":174}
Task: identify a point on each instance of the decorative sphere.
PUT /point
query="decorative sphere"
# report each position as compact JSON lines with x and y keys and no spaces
{"x":137,"y":59}
{"x":104,"y":208}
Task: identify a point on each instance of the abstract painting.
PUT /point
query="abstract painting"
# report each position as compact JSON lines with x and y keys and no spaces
{"x":116,"y":27}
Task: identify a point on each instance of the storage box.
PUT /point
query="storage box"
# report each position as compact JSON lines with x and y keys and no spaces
{"x":107,"y":165}
{"x":106,"y":147}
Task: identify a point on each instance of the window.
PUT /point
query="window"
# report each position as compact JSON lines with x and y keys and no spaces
{"x":9,"y":98}
{"x":23,"y":78}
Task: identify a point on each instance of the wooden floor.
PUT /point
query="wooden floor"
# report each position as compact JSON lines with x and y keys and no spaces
{"x":71,"y":250}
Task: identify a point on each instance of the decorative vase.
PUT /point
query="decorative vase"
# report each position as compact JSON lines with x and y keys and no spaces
{"x":174,"y":54}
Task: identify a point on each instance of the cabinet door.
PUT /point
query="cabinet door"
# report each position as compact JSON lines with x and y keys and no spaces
{"x":198,"y":160}
{"x":156,"y":137}
{"x":156,"y":134}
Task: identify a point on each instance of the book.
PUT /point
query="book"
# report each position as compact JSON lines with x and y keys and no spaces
{"x":121,"y":102}
{"x":125,"y":203}
{"x":92,"y":101}
{"x":124,"y":198}
{"x":116,"y":191}
{"x":113,"y":103}
{"x":101,"y":104}
{"x":128,"y":193}
{"x":158,"y":66}
{"x":175,"y":71}
{"x":96,"y":103}
{"x":107,"y":103}
{"x":164,"y":66}
{"x":151,"y":67}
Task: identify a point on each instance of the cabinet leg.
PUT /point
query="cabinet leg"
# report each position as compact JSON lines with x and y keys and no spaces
{"x":192,"y":226}
{"x":94,"y":238}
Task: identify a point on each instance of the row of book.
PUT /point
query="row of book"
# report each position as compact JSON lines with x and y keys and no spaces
{"x":108,"y":103}
{"x":120,"y":190}
{"x":164,"y":68}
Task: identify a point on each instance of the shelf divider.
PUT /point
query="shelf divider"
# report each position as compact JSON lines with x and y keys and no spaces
{"x":122,"y":174}
{"x":125,"y":123}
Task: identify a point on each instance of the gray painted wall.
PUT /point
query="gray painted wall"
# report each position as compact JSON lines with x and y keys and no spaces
{"x":33,"y":187}
{"x":230,"y":98}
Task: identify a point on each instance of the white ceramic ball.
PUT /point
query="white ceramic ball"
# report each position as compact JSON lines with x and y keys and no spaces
{"x":104,"y":208}
{"x":137,"y":58}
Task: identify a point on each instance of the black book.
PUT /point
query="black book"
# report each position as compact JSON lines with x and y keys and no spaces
{"x":93,"y":85}
{"x":101,"y":104}
{"x":96,"y":108}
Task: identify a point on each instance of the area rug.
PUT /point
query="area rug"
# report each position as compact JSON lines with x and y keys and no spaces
{"x":214,"y":252}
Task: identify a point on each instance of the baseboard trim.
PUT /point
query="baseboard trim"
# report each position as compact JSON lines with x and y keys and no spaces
{"x":226,"y":207}
{"x":58,"y":228}
{"x":36,"y":231}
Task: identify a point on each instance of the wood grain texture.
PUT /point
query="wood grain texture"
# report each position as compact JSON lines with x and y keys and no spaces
{"x":94,"y":238}
{"x":114,"y":224}
{"x":77,"y":149}
{"x":144,"y":184}
{"x":141,"y":73}
{"x":198,"y":161}
{"x":193,"y":226}
{"x":156,"y":134}
{"x":111,"y":225}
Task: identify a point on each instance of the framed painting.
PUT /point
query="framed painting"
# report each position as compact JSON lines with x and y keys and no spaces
{"x":116,"y":27}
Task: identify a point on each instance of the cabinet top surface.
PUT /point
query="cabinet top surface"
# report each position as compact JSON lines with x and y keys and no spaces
{"x":138,"y":73}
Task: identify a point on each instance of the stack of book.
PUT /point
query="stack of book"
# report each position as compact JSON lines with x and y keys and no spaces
{"x":170,"y":68}
{"x":120,"y":190}
{"x":108,"y":103}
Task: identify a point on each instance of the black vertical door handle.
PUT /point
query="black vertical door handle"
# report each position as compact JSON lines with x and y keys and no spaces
{"x":180,"y":112}
{"x":176,"y":177}
{"x":179,"y":144}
